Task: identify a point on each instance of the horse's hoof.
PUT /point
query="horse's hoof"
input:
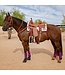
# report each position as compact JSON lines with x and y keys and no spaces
{"x":59,"y":61}
{"x":29,"y":58}
{"x":60,"y":58}
{"x":25,"y":60}
{"x":53,"y":58}
{"x":9,"y":38}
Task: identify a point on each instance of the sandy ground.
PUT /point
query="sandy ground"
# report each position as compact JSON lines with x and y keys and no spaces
{"x":11,"y":54}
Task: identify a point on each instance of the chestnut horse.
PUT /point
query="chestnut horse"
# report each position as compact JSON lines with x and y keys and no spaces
{"x":53,"y":34}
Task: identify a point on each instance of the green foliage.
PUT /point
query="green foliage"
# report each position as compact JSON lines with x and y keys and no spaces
{"x":16,"y":13}
{"x":63,"y":29}
{"x":45,"y":22}
{"x":2,"y":15}
{"x":38,"y":20}
{"x":63,"y":21}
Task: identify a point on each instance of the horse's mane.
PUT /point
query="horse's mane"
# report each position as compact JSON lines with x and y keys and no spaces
{"x":19,"y":21}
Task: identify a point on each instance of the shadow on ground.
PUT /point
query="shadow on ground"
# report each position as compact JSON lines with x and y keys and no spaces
{"x":35,"y":51}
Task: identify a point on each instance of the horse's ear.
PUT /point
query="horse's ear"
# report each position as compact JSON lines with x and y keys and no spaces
{"x":8,"y":14}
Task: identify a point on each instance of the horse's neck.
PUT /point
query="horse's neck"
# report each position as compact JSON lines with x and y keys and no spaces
{"x":16,"y":25}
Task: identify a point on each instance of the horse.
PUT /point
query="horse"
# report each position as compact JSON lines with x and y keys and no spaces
{"x":53,"y":34}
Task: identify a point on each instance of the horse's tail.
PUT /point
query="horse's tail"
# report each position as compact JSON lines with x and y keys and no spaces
{"x":61,"y":44}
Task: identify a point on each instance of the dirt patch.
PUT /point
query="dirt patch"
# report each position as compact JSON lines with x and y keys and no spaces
{"x":11,"y":54}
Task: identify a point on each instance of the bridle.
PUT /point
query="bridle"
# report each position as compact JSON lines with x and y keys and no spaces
{"x":11,"y":22}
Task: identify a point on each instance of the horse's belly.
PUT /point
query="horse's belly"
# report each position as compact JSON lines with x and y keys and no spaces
{"x":43,"y":37}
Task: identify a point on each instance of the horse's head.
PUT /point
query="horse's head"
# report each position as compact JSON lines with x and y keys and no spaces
{"x":8,"y":22}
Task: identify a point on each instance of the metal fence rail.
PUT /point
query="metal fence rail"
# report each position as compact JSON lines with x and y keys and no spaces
{"x":61,"y":26}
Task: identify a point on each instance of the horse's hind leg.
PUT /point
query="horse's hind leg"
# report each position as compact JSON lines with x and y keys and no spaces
{"x":54,"y":56}
{"x":58,"y":51}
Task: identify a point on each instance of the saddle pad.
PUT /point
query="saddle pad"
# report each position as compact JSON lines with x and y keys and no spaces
{"x":28,"y":29}
{"x":45,"y":28}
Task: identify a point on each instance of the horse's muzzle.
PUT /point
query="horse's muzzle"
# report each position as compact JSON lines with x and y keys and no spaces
{"x":4,"y":28}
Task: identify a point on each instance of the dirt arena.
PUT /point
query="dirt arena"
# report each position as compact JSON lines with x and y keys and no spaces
{"x":11,"y":54}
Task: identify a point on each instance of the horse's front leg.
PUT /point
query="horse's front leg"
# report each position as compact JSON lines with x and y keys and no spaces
{"x":27,"y":55}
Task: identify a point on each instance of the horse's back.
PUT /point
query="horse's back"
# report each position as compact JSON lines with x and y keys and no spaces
{"x":53,"y":28}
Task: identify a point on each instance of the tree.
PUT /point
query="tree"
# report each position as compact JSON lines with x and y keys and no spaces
{"x":38,"y":20}
{"x":16,"y":13}
{"x":63,"y":21}
{"x":44,"y":22}
{"x":2,"y":15}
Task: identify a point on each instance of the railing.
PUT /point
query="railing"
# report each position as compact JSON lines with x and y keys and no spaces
{"x":61,"y":26}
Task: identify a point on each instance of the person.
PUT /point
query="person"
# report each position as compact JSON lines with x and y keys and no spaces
{"x":9,"y":32}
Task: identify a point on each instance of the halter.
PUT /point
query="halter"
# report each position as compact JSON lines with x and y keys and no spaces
{"x":11,"y":21}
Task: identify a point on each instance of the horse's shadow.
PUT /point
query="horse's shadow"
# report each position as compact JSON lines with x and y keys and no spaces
{"x":35,"y":51}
